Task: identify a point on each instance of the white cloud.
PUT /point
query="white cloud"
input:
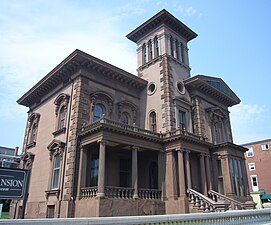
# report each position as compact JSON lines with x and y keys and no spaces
{"x":247,"y":121}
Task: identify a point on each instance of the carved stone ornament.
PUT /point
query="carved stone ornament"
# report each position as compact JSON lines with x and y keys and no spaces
{"x":62,"y":99}
{"x":27,"y":159}
{"x":56,"y":147}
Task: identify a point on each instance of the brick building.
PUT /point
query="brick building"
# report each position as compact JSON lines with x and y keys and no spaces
{"x":104,"y":142}
{"x":258,"y":161}
{"x":9,"y":157}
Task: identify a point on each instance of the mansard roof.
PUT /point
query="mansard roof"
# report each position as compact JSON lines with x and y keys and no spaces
{"x":214,"y":87}
{"x":162,"y":18}
{"x":70,"y":66}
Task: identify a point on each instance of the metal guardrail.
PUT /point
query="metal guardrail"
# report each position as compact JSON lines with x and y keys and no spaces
{"x":245,"y":217}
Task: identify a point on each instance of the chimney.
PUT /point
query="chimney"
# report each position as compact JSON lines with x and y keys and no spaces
{"x":16,"y":151}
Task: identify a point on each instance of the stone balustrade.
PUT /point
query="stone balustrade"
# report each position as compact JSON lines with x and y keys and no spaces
{"x":204,"y":204}
{"x":88,"y":192}
{"x":121,"y":193}
{"x":234,"y":204}
{"x":236,"y":217}
{"x":149,"y":193}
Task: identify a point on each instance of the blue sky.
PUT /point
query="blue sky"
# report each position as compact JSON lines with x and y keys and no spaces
{"x":233,"y":43}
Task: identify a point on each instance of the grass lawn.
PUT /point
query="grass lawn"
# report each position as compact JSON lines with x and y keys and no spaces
{"x":5,"y":215}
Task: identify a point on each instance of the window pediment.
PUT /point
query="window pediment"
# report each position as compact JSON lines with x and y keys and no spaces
{"x":56,"y":147}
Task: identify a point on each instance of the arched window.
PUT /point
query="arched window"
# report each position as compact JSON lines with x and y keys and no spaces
{"x":125,"y":118}
{"x":156,"y":47}
{"x":98,"y":112}
{"x":150,"y":50}
{"x":33,"y":133}
{"x":62,"y":117}
{"x":32,"y":129}
{"x":171,"y":46}
{"x":182,"y":56}
{"x":153,"y":175}
{"x":153,"y":121}
{"x":144,"y":54}
{"x":177,"y":49}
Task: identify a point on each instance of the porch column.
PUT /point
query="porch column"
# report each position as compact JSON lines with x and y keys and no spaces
{"x":134,"y":171}
{"x":181,"y":172}
{"x":82,"y":169}
{"x":161,"y":173}
{"x":228,"y":181}
{"x":101,"y":175}
{"x":171,"y":175}
{"x":203,"y":175}
{"x":208,"y":173}
{"x":245,"y":177}
{"x":187,"y":166}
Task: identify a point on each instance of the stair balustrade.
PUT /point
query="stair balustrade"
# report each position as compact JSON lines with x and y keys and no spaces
{"x":205,"y":204}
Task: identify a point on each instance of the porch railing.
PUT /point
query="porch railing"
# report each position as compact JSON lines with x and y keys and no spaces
{"x":88,"y":192}
{"x":149,"y":193}
{"x":120,"y":125}
{"x":205,"y":204}
{"x":121,"y":192}
{"x":234,"y":204}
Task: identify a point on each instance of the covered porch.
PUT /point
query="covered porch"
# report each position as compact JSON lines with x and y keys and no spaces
{"x":121,"y":171}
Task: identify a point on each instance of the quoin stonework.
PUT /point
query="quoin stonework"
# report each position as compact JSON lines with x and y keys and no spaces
{"x":104,"y":142}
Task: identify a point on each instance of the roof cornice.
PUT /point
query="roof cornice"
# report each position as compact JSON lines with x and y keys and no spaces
{"x":74,"y":62}
{"x":200,"y":83}
{"x":162,"y":18}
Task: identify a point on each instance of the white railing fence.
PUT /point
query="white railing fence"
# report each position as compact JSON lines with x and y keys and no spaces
{"x":245,"y":217}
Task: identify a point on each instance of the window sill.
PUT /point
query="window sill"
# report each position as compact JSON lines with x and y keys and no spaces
{"x":54,"y":192}
{"x":31,"y":145}
{"x":60,"y":131}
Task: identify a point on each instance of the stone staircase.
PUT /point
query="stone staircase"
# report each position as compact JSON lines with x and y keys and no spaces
{"x":215,"y":202}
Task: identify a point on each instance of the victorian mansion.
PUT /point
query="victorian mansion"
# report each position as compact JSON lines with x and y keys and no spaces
{"x":101,"y":141}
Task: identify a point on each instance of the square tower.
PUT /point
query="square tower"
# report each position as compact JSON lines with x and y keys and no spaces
{"x":162,"y":59}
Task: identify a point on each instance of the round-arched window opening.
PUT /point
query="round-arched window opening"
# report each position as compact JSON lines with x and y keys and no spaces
{"x":151,"y":88}
{"x":180,"y":87}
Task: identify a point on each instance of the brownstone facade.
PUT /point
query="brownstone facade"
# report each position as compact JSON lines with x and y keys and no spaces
{"x":103,"y":142}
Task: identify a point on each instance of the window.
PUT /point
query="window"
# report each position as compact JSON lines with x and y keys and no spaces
{"x":50,"y":211}
{"x":94,"y":170}
{"x":33,"y":133}
{"x":254,"y":183}
{"x":56,"y":149}
{"x":144,"y":54}
{"x":181,"y":52}
{"x":124,"y":172}
{"x":62,"y":117}
{"x":32,"y":129}
{"x":98,"y":112}
{"x":56,"y":172}
{"x":149,"y":50}
{"x":61,"y":103}
{"x":181,"y":119}
{"x":251,"y":166}
{"x":171,"y":46}
{"x":125,"y":118}
{"x":177,"y":49}
{"x":156,"y":47}
{"x":250,"y":152}
{"x":151,"y":88}
{"x":153,"y":173}
{"x":153,"y":122}
{"x":265,"y":146}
